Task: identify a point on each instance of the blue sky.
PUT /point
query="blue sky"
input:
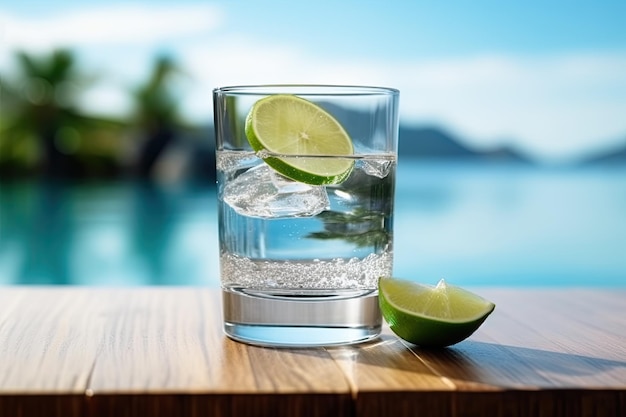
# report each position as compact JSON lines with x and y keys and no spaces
{"x":547,"y":77}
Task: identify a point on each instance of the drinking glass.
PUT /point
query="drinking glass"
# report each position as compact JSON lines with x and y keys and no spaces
{"x":299,"y":263}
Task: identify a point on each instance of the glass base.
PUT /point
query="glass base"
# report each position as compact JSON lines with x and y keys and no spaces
{"x":301,"y":319}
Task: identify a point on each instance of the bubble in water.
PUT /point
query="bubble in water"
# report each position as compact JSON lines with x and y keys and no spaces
{"x":339,"y":273}
{"x":228,"y":161}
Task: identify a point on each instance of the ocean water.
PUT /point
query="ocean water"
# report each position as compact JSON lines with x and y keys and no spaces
{"x":512,"y":226}
{"x":473,"y":225}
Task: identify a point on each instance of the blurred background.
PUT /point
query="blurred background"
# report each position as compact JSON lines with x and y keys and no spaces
{"x":512,"y":166}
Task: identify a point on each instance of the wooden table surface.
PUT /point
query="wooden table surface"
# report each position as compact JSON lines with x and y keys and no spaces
{"x":160,"y":351}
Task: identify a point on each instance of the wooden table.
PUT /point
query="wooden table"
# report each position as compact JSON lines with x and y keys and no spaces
{"x":78,"y":351}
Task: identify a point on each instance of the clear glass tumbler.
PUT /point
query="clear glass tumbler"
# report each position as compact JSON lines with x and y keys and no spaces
{"x":300,"y":263}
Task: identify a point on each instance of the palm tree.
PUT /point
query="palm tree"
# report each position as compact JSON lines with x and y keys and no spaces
{"x":40,"y":108}
{"x":157,"y":113}
{"x":44,"y":104}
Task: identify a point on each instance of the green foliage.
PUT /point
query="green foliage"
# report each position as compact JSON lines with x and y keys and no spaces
{"x":43,"y":129}
{"x":154,"y":100}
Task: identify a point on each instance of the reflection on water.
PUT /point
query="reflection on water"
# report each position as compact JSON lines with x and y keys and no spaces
{"x":512,"y":225}
{"x":107,"y":234}
{"x":472,"y":225}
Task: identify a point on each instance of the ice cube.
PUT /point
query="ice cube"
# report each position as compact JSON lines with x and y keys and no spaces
{"x":261,"y":192}
{"x":377,"y":168}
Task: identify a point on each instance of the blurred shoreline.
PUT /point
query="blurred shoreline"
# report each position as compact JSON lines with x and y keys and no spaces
{"x":473,"y":223}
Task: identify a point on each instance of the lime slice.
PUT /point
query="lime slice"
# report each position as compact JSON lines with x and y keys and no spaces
{"x":431,"y":316}
{"x":299,"y":139}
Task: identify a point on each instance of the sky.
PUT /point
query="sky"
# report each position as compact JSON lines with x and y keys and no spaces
{"x":548,"y":78}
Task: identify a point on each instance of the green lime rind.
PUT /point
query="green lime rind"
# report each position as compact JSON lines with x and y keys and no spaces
{"x":465,"y":312}
{"x":275,"y":125}
{"x":297,"y":174}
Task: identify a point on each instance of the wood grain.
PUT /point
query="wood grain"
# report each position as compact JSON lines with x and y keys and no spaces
{"x":541,"y":353}
{"x":72,"y":351}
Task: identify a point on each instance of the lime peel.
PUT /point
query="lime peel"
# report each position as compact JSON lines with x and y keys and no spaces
{"x":430,"y":316}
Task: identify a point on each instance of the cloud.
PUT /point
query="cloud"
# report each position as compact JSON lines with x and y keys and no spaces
{"x":114,"y":24}
{"x":114,"y":43}
{"x":554,"y":106}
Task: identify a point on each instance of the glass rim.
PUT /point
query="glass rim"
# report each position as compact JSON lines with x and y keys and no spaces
{"x":308,"y":89}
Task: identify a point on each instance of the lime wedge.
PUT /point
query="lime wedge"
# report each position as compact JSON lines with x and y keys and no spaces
{"x":431,"y":316}
{"x":299,"y":139}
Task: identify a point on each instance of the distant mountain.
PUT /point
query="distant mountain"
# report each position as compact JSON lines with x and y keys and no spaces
{"x":428,"y":142}
{"x":423,"y":142}
{"x":615,"y":156}
{"x":435,"y":143}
